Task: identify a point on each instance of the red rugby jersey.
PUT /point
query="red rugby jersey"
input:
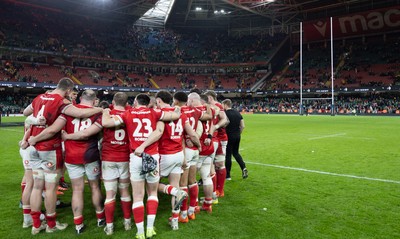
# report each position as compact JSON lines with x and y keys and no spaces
{"x":115,"y":145}
{"x":221,"y":135}
{"x":171,"y":140}
{"x":140,"y":123}
{"x":81,"y":151}
{"x":193,"y":114}
{"x":206,"y":149}
{"x":50,"y":106}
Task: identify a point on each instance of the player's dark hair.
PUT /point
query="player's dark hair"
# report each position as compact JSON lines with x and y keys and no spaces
{"x":195,"y":90}
{"x":211,"y":93}
{"x":143,"y":99}
{"x":120,"y":99}
{"x":104,"y":104}
{"x":204,"y":98}
{"x":165,"y":96}
{"x":65,"y":84}
{"x":181,"y":97}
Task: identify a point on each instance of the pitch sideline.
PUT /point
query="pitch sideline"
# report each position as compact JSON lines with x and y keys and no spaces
{"x":326,"y":173}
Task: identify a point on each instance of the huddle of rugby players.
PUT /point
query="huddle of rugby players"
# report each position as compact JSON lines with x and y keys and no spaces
{"x":129,"y":149}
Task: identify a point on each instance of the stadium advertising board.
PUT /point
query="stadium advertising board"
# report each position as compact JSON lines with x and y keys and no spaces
{"x":219,"y":91}
{"x":371,"y":22}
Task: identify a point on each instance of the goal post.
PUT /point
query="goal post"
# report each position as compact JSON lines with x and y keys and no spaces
{"x":332,"y":98}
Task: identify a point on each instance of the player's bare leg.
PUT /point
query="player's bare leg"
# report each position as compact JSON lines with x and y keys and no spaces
{"x":183,"y":185}
{"x":174,"y":179}
{"x":26,"y":195}
{"x":97,"y":200}
{"x":78,"y":185}
{"x":36,"y":199}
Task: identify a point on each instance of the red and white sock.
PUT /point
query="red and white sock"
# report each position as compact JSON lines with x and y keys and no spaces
{"x":109,"y":209}
{"x":126,"y":205}
{"x":36,"y":218}
{"x":78,"y":220}
{"x":138,"y":216}
{"x":26,"y":210}
{"x":184,"y":206}
{"x":207,"y":202}
{"x":100,"y":214}
{"x":193,"y":194}
{"x":175,"y":214}
{"x":50,"y":218}
{"x":214,"y":180}
{"x":221,"y":176}
{"x":151,"y":208}
{"x":170,"y":190}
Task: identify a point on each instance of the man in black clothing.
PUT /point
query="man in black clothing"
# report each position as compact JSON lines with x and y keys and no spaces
{"x":233,"y":130}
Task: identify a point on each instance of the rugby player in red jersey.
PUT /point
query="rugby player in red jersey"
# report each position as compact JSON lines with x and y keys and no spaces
{"x":62,"y":184}
{"x":188,"y":177}
{"x":46,"y":158}
{"x":81,"y":158}
{"x":219,"y":133}
{"x":27,"y":181}
{"x":144,"y":127}
{"x":172,"y":155}
{"x":115,"y":163}
{"x":205,"y":155}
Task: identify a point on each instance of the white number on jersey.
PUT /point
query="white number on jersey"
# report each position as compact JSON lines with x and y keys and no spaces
{"x":142,"y":123}
{"x":176,"y":129}
{"x":41,"y":111}
{"x":119,"y":134}
{"x":81,"y":124}
{"x":207,"y":129}
{"x":192,"y":121}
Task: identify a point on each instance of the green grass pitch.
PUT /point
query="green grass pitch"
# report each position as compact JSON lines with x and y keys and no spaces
{"x":309,"y":177}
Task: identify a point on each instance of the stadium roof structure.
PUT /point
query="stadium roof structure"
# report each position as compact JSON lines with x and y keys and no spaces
{"x":211,"y":14}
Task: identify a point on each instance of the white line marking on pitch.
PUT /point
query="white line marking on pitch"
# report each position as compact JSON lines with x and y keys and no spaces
{"x":327,"y":173}
{"x":327,"y":136}
{"x":13,"y":130}
{"x":365,"y":138}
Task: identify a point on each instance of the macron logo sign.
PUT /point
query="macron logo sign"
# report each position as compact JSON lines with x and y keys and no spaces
{"x":370,"y":21}
{"x":321,"y":28}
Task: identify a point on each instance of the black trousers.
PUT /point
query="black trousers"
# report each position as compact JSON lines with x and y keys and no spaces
{"x":233,"y":149}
